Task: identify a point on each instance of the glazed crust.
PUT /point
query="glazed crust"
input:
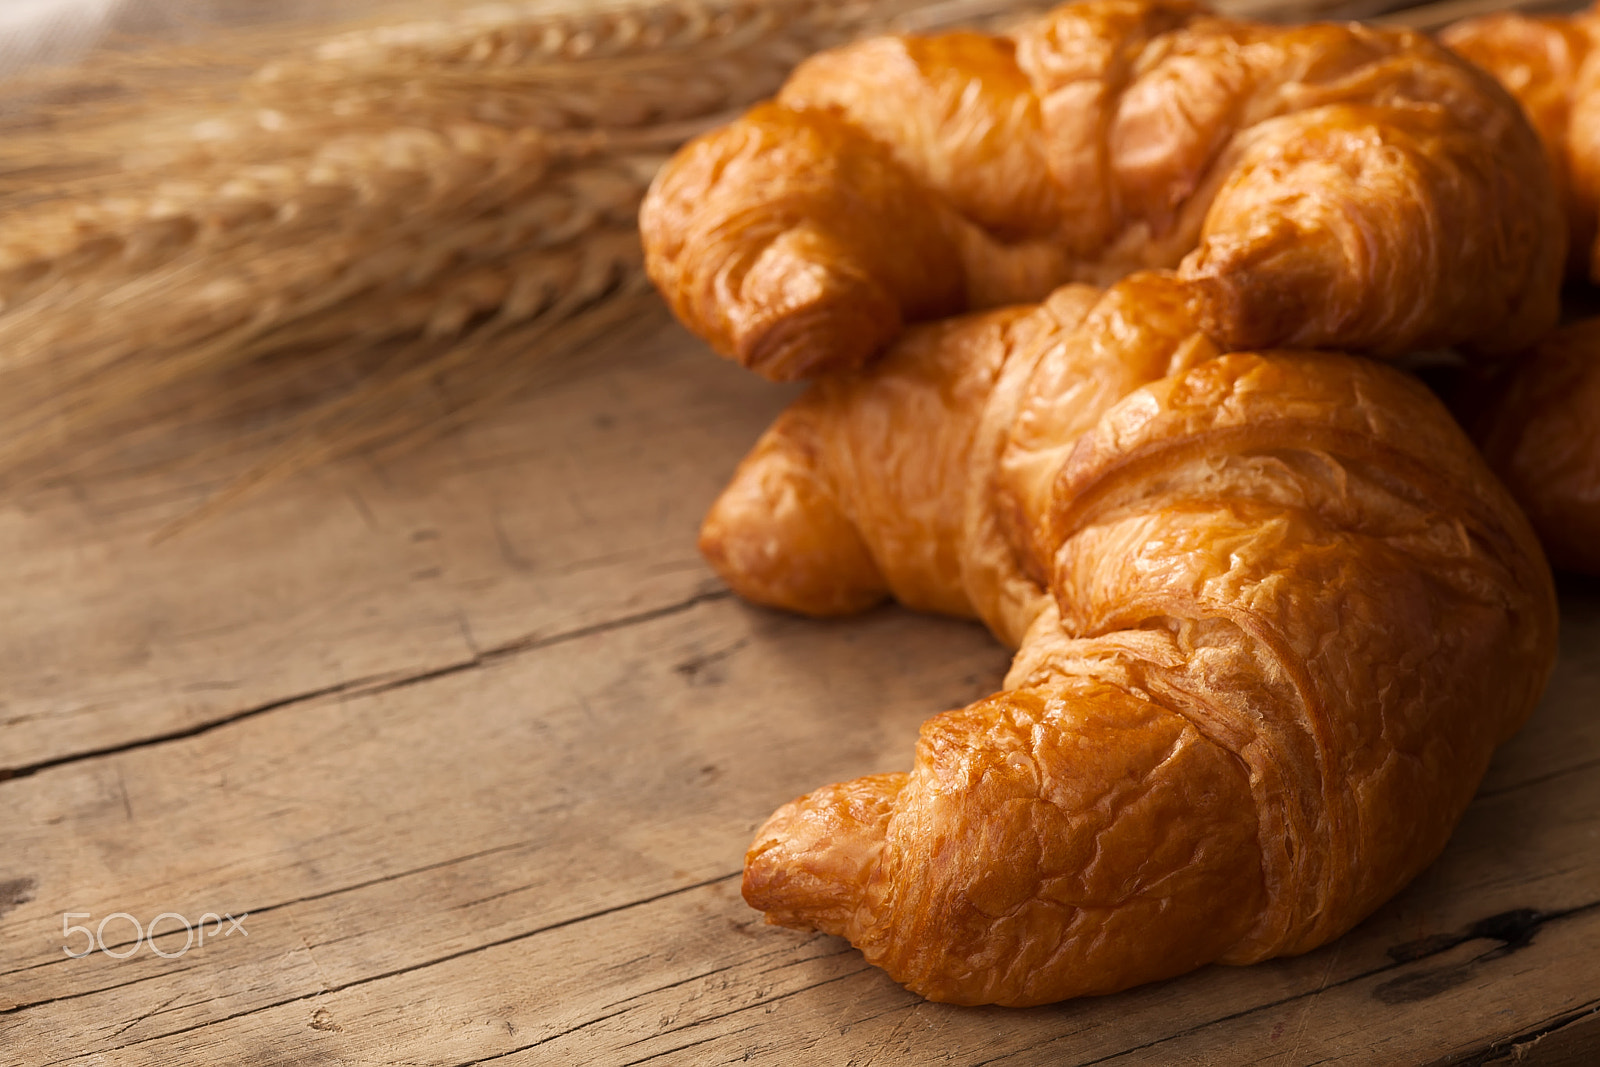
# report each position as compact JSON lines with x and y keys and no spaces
{"x":1312,"y":181}
{"x":1539,"y":421}
{"x":1273,"y":616}
{"x":1546,"y":64}
{"x":1540,"y":431}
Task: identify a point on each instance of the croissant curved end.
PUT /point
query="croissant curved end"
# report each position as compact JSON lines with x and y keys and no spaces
{"x":1290,"y":615}
{"x":1052,"y":843}
{"x":813,"y":328}
{"x":810,"y":862}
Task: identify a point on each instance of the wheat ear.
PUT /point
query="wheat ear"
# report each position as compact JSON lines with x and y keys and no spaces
{"x":458,"y":193}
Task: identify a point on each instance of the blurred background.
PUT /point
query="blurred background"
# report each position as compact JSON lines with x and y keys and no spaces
{"x":266,"y":232}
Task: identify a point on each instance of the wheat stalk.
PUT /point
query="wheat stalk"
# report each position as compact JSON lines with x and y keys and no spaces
{"x":382,"y":208}
{"x":442,"y":186}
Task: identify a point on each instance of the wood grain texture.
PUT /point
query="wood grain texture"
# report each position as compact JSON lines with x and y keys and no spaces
{"x":477,"y":742}
{"x":684,"y":975}
{"x":497,"y":813}
{"x":362,"y":574}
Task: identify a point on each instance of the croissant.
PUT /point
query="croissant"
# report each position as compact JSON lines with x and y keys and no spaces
{"x":1548,"y":64}
{"x":1540,"y":431}
{"x":1311,"y":182}
{"x":1539,"y":419}
{"x":1272,"y":612}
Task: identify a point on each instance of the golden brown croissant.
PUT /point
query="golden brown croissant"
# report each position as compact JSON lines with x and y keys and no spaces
{"x":1274,"y":614}
{"x":1540,"y":431}
{"x":1321,"y":185}
{"x":1549,"y":65}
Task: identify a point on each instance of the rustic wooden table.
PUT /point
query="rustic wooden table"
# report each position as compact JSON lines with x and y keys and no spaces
{"x":470,"y":746}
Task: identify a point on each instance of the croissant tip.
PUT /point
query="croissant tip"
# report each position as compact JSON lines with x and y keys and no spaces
{"x":839,"y":334}
{"x":809,"y":865}
{"x":768,"y":887}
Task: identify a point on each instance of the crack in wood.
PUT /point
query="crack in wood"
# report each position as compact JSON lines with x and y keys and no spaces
{"x":1513,"y":929}
{"x":1509,"y":1045}
{"x":163,"y":1006}
{"x":1538,"y":780}
{"x":425,"y":964}
{"x":549,"y":1038}
{"x":1498,"y":922}
{"x":692,"y":1044}
{"x":653,"y":990}
{"x":266,"y":908}
{"x":848,"y":948}
{"x":9,"y":773}
{"x":187,"y":1029}
{"x":536,"y":932}
{"x":597,"y":1019}
{"x":374,"y":685}
{"x":495,"y":896}
{"x":310,"y":953}
{"x":759,"y":1003}
{"x":884,"y":1045}
{"x":367,"y":884}
{"x":13,"y":1009}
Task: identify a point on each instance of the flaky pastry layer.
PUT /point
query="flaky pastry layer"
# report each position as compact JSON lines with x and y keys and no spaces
{"x":1273,"y":615}
{"x":1322,"y":186}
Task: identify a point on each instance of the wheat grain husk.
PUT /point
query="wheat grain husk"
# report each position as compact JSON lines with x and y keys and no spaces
{"x":337,"y":237}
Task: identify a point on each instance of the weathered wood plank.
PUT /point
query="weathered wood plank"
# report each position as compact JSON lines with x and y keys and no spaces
{"x":396,"y":838}
{"x":413,"y":823}
{"x":693,"y":978}
{"x":478,"y":742}
{"x":1565,"y":1043}
{"x":574,"y":507}
{"x":1446,"y":1007}
{"x":1402,"y":952}
{"x":114,"y":1003}
{"x":492,"y":831}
